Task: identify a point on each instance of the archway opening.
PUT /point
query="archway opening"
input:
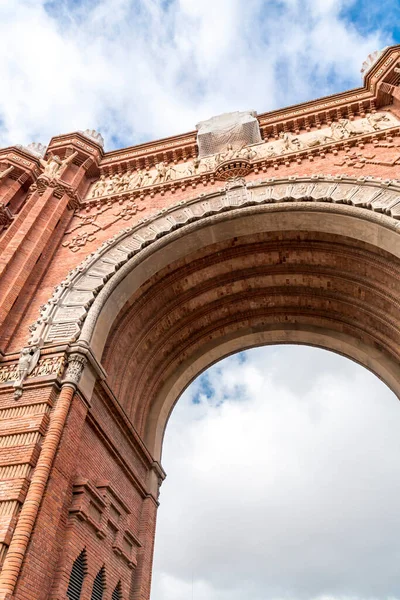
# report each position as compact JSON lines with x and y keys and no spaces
{"x":188,"y":294}
{"x":282,"y":482}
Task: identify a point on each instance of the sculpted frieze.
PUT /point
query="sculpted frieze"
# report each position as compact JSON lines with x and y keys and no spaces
{"x":46,"y":366}
{"x":63,"y":317}
{"x":287,"y":143}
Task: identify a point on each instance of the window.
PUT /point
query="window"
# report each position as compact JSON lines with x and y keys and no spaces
{"x":99,"y":585}
{"x":78,"y":573}
{"x":117,"y":593}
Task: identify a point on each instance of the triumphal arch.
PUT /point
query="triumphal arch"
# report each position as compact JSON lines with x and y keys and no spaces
{"x":124,"y":274}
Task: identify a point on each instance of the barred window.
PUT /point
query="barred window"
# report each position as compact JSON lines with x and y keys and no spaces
{"x":77,"y":576}
{"x":99,"y":585}
{"x":117,"y":593}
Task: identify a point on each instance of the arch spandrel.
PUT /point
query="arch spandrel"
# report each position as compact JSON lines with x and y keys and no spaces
{"x":354,"y":216}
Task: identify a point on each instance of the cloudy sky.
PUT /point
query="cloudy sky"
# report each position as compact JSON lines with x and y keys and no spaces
{"x":143,"y":69}
{"x":283,"y":483}
{"x":283,"y":463}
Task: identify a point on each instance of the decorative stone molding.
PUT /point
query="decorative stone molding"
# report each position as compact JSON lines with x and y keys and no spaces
{"x":62,"y":317}
{"x":76,"y":364}
{"x":60,"y":188}
{"x":8,"y":372}
{"x":46,"y":366}
{"x":232,"y":160}
{"x":93,"y":135}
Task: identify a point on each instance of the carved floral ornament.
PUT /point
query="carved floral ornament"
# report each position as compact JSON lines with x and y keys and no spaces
{"x":221,"y":165}
{"x":62,"y":318}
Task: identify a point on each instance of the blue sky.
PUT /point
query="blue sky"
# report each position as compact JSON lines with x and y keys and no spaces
{"x":141,"y":70}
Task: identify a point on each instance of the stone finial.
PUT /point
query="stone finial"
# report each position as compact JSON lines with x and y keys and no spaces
{"x":371,"y":60}
{"x":94,"y":135}
{"x":35,"y":148}
{"x":235,"y":129}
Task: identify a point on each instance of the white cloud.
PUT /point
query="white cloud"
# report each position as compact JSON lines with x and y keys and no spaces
{"x":141,"y":70}
{"x":283,"y":483}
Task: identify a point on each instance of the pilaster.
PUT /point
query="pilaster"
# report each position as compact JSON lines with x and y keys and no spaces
{"x":44,"y":196}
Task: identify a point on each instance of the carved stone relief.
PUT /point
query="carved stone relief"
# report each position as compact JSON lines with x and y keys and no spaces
{"x":75,"y":366}
{"x":46,"y":366}
{"x":287,"y":143}
{"x":62,"y":317}
{"x":92,"y":222}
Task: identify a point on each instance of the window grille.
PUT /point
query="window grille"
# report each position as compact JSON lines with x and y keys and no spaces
{"x":78,"y":572}
{"x":117,"y":593}
{"x":99,"y":585}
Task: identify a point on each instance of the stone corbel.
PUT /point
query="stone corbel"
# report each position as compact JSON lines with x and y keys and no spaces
{"x":60,"y":188}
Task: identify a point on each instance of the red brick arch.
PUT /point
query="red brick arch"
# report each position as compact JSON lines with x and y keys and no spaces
{"x":307,"y":260}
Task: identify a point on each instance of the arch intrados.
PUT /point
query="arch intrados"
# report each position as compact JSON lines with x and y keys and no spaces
{"x":373,"y":360}
{"x":357,"y":224}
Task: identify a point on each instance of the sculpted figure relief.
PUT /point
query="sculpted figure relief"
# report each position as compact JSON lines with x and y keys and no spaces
{"x":377,"y":120}
{"x":291,"y":143}
{"x":99,"y":187}
{"x":161,"y":172}
{"x":286,"y":143}
{"x":342,"y":129}
{"x":27,"y":362}
{"x":54,"y":166}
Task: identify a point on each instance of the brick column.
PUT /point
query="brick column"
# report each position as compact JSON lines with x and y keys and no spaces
{"x":141,"y":583}
{"x":142,"y":576}
{"x":27,"y":517}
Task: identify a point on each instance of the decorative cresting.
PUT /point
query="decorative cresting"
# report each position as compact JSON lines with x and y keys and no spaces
{"x":61,"y":319}
{"x":371,"y":60}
